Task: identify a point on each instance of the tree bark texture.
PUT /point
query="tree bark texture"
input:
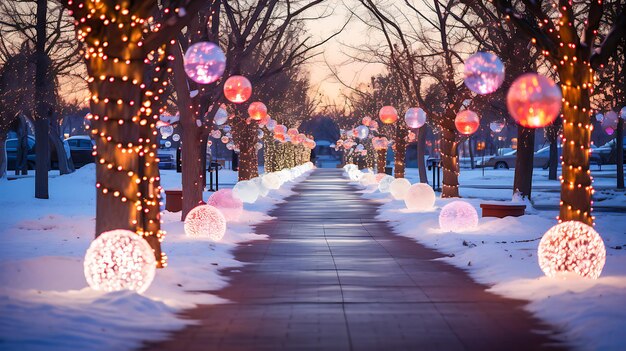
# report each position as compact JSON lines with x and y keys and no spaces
{"x":381,"y":160}
{"x":421,"y":153}
{"x":523,"y":179}
{"x":3,"y":155}
{"x":247,"y":136}
{"x":449,"y":158}
{"x":400,"y":145}
{"x":619,"y":143}
{"x":42,"y":108}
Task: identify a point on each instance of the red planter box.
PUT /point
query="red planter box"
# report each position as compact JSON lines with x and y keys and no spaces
{"x":502,"y":210}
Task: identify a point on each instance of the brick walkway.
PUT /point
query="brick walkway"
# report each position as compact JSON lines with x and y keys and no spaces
{"x":331,"y":277}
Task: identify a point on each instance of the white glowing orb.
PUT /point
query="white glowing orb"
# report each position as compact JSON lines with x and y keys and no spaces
{"x":399,"y":187}
{"x":246,"y":191}
{"x":204,"y":62}
{"x":221,"y":116}
{"x":420,"y":197}
{"x":263,"y":190}
{"x":571,"y":247}
{"x":230,"y":206}
{"x":458,"y":216}
{"x":385,"y":183}
{"x":368,"y":179}
{"x":119,"y":260}
{"x":271,"y":181}
{"x":205,"y":221}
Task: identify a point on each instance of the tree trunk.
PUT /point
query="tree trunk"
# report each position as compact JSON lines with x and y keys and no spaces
{"x":421,"y":153}
{"x":381,"y":160}
{"x":248,"y":155}
{"x":471,"y":152}
{"x":619,"y":143}
{"x":554,"y":160}
{"x":3,"y":155}
{"x":400,"y":146}
{"x":523,"y":180}
{"x":65,"y":164}
{"x":42,"y":149}
{"x":449,"y":159}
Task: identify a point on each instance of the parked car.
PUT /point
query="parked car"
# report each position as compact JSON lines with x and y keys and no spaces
{"x":79,"y":157}
{"x":541,"y":159}
{"x":608,"y":152}
{"x":167,"y":158}
{"x":81,"y":149}
{"x":11,"y":149}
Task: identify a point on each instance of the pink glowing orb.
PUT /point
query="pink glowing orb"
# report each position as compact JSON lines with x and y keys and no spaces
{"x":205,"y":221}
{"x":366,"y":121}
{"x":237,"y":89}
{"x":373,"y":125}
{"x":467,"y":122}
{"x":380,"y":176}
{"x":257,"y":110}
{"x":609,"y":123}
{"x":399,"y":188}
{"x":458,"y":216}
{"x":292,"y":132}
{"x":571,"y":247}
{"x":415,"y":117}
{"x":484,"y":73}
{"x":204,"y":62}
{"x":280,"y":129}
{"x":388,"y":114}
{"x":230,"y":206}
{"x":534,"y":101}
{"x":420,"y":197}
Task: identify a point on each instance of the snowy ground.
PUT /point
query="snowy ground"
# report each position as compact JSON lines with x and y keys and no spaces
{"x":45,"y":303}
{"x":501,"y":253}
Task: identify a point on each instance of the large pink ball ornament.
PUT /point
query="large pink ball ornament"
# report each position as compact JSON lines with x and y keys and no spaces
{"x":237,"y":89}
{"x":467,"y":122}
{"x":373,"y":125}
{"x":205,"y":221}
{"x":119,"y":260}
{"x":484,"y":73}
{"x":399,"y":188}
{"x":388,"y":114}
{"x":420,"y":197}
{"x":415,"y":117}
{"x":204,"y":62}
{"x":571,"y":247}
{"x":257,"y":110}
{"x":458,"y":216}
{"x":230,"y":206}
{"x":366,"y":121}
{"x":534,"y":101}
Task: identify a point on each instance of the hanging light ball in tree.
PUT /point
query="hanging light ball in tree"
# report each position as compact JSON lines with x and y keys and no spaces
{"x":366,"y":121}
{"x":458,"y":216}
{"x":484,"y":73}
{"x":204,"y":62}
{"x":237,"y":89}
{"x":609,"y":124}
{"x":119,"y":260}
{"x":415,"y":117}
{"x":205,"y":221}
{"x":399,"y":188}
{"x":280,"y":129}
{"x":420,"y":197}
{"x":467,"y":122}
{"x":292,"y":132}
{"x":571,"y":247}
{"x":230,"y":206}
{"x":166,"y":131}
{"x":373,"y":125}
{"x":176,"y":137}
{"x":362,"y":132}
{"x":257,"y":110}
{"x":388,"y":114}
{"x":496,"y":126}
{"x":534,"y":101}
{"x":221,"y":116}
{"x":271,"y":124}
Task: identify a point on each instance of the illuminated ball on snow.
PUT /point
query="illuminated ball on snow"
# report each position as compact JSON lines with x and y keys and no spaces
{"x":368,"y":179}
{"x":237,"y":89}
{"x":257,"y":110}
{"x":246,"y":191}
{"x":204,"y":62}
{"x":534,"y":101}
{"x":458,"y":216}
{"x":415,"y":117}
{"x":272,"y":181}
{"x":385,"y":183}
{"x":380,"y":176}
{"x":484,"y":73}
{"x":263,"y":190}
{"x":205,"y":221}
{"x":571,"y":247}
{"x":399,"y":187}
{"x":230,"y":206}
{"x":420,"y":197}
{"x":221,"y":116}
{"x":362,"y":132}
{"x":388,"y":115}
{"x":119,"y":260}
{"x":467,"y":122}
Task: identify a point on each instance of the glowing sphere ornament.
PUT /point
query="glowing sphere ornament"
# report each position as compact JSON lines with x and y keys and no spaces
{"x":166,"y":131}
{"x":237,"y":89}
{"x":534,"y":101}
{"x":415,"y":117}
{"x":399,"y":188}
{"x":230,"y":206}
{"x":271,"y":124}
{"x":280,"y":129}
{"x":119,"y":260}
{"x":496,"y":127}
{"x":420,"y":197}
{"x":467,"y":122}
{"x":168,"y":144}
{"x":271,"y":181}
{"x":571,"y":247}
{"x":176,"y":137}
{"x":292,"y":132}
{"x":609,"y":124}
{"x":600,"y":118}
{"x":205,"y":221}
{"x":388,"y":115}
{"x":384,"y":184}
{"x":246,"y":191}
{"x":458,"y":216}
{"x":257,"y":110}
{"x":204,"y":62}
{"x":373,"y":125}
{"x":484,"y":73}
{"x":221,"y":116}
{"x":362,"y":132}
{"x":366,"y":121}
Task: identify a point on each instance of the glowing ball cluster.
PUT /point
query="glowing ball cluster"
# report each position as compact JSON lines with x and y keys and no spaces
{"x":237,"y":89}
{"x":484,"y":73}
{"x":384,"y":184}
{"x":458,"y":216}
{"x":399,"y":188}
{"x":533,"y":100}
{"x":257,"y":110}
{"x":246,"y":191}
{"x":609,"y":123}
{"x":204,"y":62}
{"x":230,"y":206}
{"x":571,"y":247}
{"x":119,"y":260}
{"x":415,"y":117}
{"x":388,"y":114}
{"x":467,"y":122}
{"x":420,"y":197}
{"x":205,"y":221}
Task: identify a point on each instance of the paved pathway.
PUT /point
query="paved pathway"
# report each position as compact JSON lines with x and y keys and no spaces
{"x":331,"y":277}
